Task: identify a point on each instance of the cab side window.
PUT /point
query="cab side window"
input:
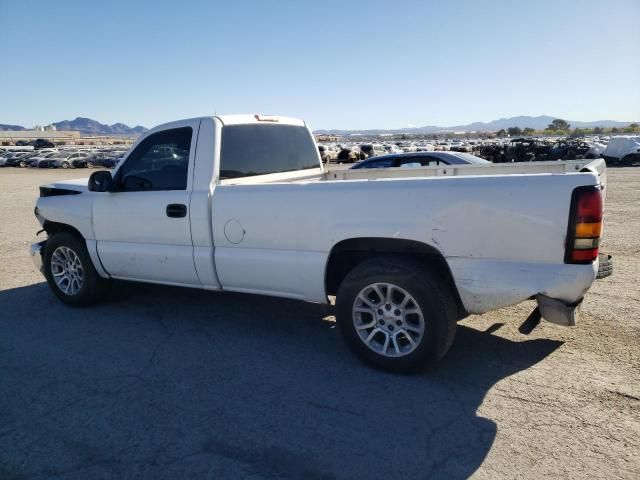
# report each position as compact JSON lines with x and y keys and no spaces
{"x":382,"y":163}
{"x":160,"y":162}
{"x":431,"y":161}
{"x":412,"y":164}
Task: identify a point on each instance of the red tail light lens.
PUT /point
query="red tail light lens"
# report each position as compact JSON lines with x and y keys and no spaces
{"x":589,"y":207}
{"x":585,"y":225}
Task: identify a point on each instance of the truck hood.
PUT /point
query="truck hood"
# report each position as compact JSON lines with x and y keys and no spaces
{"x":78,"y":185}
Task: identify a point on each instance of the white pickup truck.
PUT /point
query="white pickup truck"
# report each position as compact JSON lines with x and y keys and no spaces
{"x":242,"y":203}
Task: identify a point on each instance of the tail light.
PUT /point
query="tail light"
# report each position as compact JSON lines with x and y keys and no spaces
{"x":585,"y":225}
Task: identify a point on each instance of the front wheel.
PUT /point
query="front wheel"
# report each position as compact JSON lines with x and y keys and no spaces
{"x":70,"y":272}
{"x":395,"y":315}
{"x":65,"y":164}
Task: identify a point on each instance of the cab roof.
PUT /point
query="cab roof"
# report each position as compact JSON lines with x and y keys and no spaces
{"x":259,"y":118}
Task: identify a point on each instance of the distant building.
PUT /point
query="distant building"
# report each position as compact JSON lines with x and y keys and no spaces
{"x":11,"y":137}
{"x":46,"y":128}
{"x":59,"y":137}
{"x":327,"y":138}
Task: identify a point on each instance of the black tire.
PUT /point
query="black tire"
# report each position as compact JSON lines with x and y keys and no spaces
{"x":93,"y":287}
{"x":89,"y":164}
{"x":434,"y":299}
{"x":605,"y":265}
{"x":65,"y":164}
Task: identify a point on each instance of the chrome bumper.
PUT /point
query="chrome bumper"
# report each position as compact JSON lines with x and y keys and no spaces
{"x":37,"y":250}
{"x":558,"y":312}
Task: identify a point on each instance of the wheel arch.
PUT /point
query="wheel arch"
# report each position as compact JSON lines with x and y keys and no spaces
{"x":347,"y":254}
{"x":56,"y":227}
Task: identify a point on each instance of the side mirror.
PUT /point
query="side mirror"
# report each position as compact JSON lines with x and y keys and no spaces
{"x":101,"y":181}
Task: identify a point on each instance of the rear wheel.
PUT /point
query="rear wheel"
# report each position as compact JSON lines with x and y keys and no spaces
{"x":65,"y":164}
{"x":70,"y":272}
{"x":89,"y":164}
{"x":395,"y":315}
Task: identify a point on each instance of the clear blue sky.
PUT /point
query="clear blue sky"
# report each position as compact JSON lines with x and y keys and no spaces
{"x":337,"y":64}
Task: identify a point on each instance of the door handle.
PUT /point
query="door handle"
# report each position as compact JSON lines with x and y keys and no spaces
{"x":176,"y":210}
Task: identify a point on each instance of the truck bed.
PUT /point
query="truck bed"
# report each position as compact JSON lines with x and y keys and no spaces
{"x":329,"y":174}
{"x":522,"y":168}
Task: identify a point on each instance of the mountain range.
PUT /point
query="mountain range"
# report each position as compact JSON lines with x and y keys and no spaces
{"x":87,"y":126}
{"x":537,"y":123}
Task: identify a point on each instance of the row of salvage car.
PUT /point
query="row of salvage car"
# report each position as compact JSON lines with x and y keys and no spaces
{"x":618,"y":150}
{"x":61,"y":158}
{"x":622,"y":150}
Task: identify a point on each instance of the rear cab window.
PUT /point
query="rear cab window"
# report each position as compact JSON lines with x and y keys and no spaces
{"x":260,"y":149}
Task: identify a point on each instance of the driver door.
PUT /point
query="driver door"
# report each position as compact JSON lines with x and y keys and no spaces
{"x":142,"y":229}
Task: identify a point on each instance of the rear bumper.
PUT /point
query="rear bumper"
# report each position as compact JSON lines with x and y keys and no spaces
{"x":486,"y":285}
{"x":36,"y":251}
{"x":557,"y":311}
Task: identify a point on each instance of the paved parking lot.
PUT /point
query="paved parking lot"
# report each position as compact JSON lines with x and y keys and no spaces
{"x":162,"y":382}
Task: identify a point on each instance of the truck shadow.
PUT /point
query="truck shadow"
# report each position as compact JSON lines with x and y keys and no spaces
{"x":167,"y":382}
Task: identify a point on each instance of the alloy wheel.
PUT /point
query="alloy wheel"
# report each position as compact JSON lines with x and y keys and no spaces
{"x":67,"y":271}
{"x":388,"y":319}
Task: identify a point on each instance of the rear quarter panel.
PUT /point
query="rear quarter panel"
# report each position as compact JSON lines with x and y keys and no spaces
{"x":276,"y":238}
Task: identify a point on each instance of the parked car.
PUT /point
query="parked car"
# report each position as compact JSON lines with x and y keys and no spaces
{"x":526,"y":150}
{"x":372,"y":149}
{"x":420,"y":159}
{"x":407,"y":260}
{"x":350,"y":155}
{"x":42,"y":143}
{"x":571,"y":149}
{"x":596,"y":149}
{"x":424,"y":147}
{"x":324,"y":153}
{"x":69,"y":160}
{"x":8,"y":159}
{"x":100,"y":159}
{"x":331,"y":153}
{"x":41,"y":159}
{"x":20,"y":160}
{"x":494,"y":152}
{"x":623,"y":150}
